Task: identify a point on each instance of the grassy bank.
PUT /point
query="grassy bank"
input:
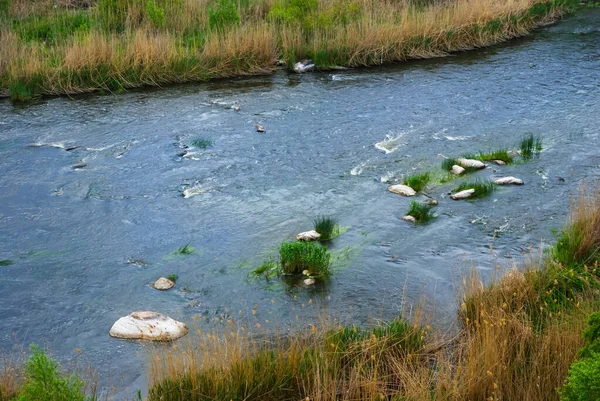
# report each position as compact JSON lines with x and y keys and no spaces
{"x":517,"y":338}
{"x":53,"y":47}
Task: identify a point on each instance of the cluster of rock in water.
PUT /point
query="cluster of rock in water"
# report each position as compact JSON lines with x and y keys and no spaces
{"x":457,"y":169}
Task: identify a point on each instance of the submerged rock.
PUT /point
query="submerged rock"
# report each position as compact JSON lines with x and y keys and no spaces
{"x":457,"y":170}
{"x":79,"y":165}
{"x":309,"y":281}
{"x":401,"y":189}
{"x":260,"y":128}
{"x":148,"y":326}
{"x":163,"y":284}
{"x":410,"y":219}
{"x":467,"y":193}
{"x":432,"y":202}
{"x":304,"y":66}
{"x":470,"y":163}
{"x":508,"y":181}
{"x":311,"y":235}
{"x":499,"y":162}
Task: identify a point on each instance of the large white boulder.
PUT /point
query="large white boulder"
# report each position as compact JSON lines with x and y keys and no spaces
{"x":508,"y":181}
{"x":467,"y":193}
{"x":470,"y":163}
{"x":457,"y":170}
{"x":163,"y":284}
{"x":311,"y":235}
{"x":403,"y":190}
{"x":148,"y":326}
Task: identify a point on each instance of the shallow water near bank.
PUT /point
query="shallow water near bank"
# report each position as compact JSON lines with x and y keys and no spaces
{"x":87,"y":242}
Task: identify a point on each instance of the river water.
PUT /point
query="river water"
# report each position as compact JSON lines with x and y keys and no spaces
{"x":87,"y":243}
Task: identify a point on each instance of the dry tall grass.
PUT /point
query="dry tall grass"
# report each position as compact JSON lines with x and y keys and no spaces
{"x":50,"y":50}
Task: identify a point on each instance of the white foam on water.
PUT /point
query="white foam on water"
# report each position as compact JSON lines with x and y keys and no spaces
{"x":358,"y":169}
{"x":458,"y":138}
{"x":390,"y":143}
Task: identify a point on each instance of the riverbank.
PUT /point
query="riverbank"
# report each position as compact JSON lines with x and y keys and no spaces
{"x":66,"y":48}
{"x":517,"y":338}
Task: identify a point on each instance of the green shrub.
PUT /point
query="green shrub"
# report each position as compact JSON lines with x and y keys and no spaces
{"x":420,"y":211}
{"x":292,"y":11}
{"x":222,"y":14}
{"x":418,"y":182}
{"x":482,"y":188}
{"x":22,"y":92}
{"x":155,"y":14}
{"x":52,"y":29}
{"x":326,"y":226}
{"x":44,"y":381}
{"x":583,"y":381}
{"x":295,"y":257}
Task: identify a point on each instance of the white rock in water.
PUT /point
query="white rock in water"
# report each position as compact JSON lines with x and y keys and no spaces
{"x":508,"y":181}
{"x":432,"y":202}
{"x":309,"y":281}
{"x":499,"y":162}
{"x":457,"y":170}
{"x":403,"y":190}
{"x":311,"y":235}
{"x":235,"y":108}
{"x":471,"y":163}
{"x":148,"y":326}
{"x":304,"y":66}
{"x":467,"y":193}
{"x":410,"y":219}
{"x":163,"y":284}
{"x":260,"y":128}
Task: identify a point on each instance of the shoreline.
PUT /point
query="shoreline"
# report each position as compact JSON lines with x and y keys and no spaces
{"x":101,"y":61}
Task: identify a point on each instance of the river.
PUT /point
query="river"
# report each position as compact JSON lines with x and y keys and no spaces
{"x":88,"y":242}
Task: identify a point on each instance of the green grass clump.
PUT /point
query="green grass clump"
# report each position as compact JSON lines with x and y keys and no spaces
{"x":296,"y":257}
{"x":45,"y":382}
{"x":421,"y":212}
{"x":202,"y":143}
{"x":172,"y":277}
{"x":187,"y":249}
{"x":448,"y":163}
{"x":500,"y":154}
{"x":482,"y":188}
{"x":418,"y":182}
{"x":326,"y":226}
{"x":531,"y":145}
{"x":267,"y":269}
{"x":6,"y":262}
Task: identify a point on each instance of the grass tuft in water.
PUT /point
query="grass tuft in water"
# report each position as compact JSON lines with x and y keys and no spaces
{"x":418,"y":182}
{"x":6,"y":262}
{"x":172,"y":277}
{"x":187,"y":249}
{"x":499,"y":154}
{"x":267,"y":269}
{"x":295,"y":257}
{"x":421,"y":212}
{"x":326,"y":226}
{"x":448,"y":163}
{"x":531,"y":146}
{"x":202,"y":143}
{"x":482,"y":188}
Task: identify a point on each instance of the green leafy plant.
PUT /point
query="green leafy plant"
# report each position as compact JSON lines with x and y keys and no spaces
{"x":44,"y":381}
{"x":421,"y":212}
{"x":156,"y":14}
{"x":583,"y":381}
{"x":295,"y":257}
{"x":292,"y":11}
{"x":172,"y":277}
{"x":418,"y":182}
{"x":482,"y":188}
{"x":223,"y":13}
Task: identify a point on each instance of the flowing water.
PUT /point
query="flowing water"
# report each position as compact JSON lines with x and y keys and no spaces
{"x":88,"y":242}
